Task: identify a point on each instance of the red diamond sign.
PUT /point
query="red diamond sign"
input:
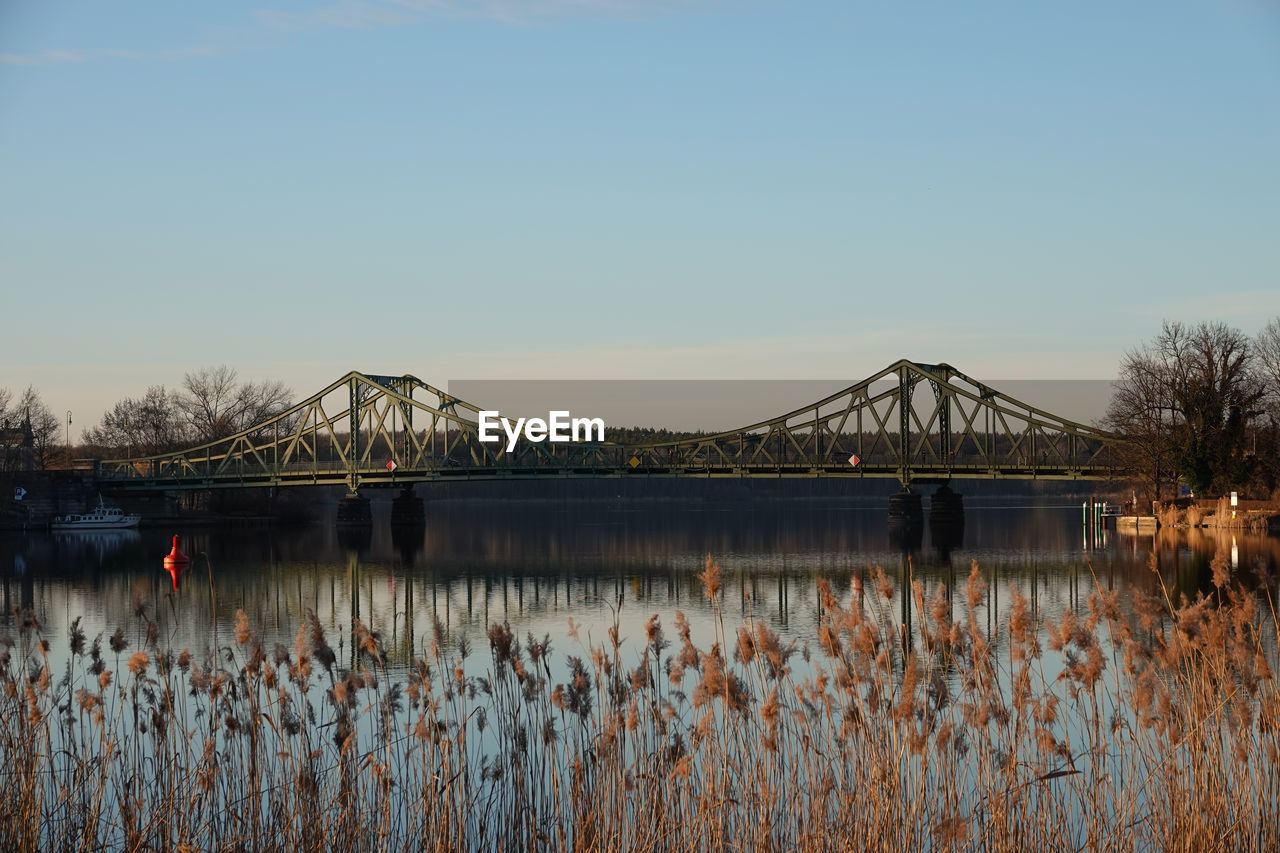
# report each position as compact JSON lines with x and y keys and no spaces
{"x":391,"y":466}
{"x":854,"y":460}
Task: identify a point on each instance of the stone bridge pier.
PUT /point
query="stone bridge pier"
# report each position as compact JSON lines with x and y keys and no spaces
{"x":946,"y":513}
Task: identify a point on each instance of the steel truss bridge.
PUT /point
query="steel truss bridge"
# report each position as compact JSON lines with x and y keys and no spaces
{"x":925,"y":423}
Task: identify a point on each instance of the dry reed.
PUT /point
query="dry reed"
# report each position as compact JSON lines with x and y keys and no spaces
{"x":1151,"y":727}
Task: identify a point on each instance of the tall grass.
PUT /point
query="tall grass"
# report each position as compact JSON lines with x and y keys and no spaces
{"x":1150,"y":727}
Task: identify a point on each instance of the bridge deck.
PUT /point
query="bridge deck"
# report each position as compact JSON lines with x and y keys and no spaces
{"x":375,"y":477}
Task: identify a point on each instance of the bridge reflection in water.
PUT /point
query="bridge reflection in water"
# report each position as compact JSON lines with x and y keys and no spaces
{"x":539,"y":567}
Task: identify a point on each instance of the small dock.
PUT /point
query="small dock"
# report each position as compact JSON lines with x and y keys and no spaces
{"x":1137,"y":523}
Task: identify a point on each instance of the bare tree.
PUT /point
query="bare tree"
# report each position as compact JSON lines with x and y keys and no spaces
{"x":1267,"y":350}
{"x":208,"y":402}
{"x":1139,"y":409}
{"x":10,"y":432}
{"x":264,"y":400}
{"x":42,"y":424}
{"x":212,"y":405}
{"x":1265,"y":433}
{"x":1218,"y":391}
{"x":1187,"y":397}
{"x":216,"y":405}
{"x":141,"y":427}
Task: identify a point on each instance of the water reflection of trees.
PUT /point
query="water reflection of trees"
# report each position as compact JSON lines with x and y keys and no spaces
{"x":1182,"y":557}
{"x":537,"y":567}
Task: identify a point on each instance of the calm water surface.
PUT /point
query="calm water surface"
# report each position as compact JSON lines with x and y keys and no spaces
{"x":541,"y":566}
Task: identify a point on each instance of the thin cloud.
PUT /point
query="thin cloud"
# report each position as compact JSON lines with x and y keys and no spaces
{"x":69,"y":57}
{"x":369,"y":14}
{"x":350,"y":15}
{"x":362,"y":15}
{"x":515,"y":10}
{"x":49,"y":57}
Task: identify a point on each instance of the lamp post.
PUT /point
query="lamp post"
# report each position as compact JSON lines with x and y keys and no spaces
{"x":68,"y":438}
{"x":1249,"y":418}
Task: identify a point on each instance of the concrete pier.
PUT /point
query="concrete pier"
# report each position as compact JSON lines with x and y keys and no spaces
{"x":354,"y":511}
{"x":946,"y":508}
{"x":408,"y":510}
{"x":906,"y":509}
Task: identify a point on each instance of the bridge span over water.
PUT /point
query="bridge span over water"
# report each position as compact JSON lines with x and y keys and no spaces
{"x":917,"y":423}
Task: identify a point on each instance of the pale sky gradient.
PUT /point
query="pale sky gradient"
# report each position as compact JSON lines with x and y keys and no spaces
{"x":625,"y":188}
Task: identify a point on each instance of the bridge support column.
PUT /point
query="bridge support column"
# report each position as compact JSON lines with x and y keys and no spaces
{"x":354,"y":511}
{"x":906,"y":509}
{"x":408,"y":510}
{"x":946,"y":508}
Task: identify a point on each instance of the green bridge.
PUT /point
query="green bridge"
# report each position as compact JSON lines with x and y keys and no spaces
{"x":917,"y":423}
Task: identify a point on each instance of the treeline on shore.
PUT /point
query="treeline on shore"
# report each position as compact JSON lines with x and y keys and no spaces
{"x":1200,"y":409}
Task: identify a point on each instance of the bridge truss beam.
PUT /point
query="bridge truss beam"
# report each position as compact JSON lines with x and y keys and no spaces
{"x":959,"y":428}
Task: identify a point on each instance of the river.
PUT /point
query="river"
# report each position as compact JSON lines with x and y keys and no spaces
{"x":538,"y":566}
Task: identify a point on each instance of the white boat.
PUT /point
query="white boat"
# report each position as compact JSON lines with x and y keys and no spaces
{"x":103,"y":517}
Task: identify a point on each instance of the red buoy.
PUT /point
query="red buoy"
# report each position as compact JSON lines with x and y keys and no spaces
{"x":176,"y":558}
{"x":176,"y":562}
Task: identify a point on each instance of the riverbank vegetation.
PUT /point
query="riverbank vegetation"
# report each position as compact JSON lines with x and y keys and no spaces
{"x":212,"y":403}
{"x":1155,"y":726}
{"x":1200,"y":406}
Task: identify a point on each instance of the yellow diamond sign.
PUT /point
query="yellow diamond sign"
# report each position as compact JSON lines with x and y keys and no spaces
{"x":634,"y":461}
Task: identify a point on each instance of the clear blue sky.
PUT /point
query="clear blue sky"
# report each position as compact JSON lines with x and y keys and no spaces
{"x":625,"y":188}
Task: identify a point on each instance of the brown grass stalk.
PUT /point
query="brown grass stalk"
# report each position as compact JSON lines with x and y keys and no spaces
{"x":1151,"y":727}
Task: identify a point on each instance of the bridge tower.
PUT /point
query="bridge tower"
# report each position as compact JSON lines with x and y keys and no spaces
{"x":946,"y":507}
{"x":354,"y":509}
{"x":906,"y":512}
